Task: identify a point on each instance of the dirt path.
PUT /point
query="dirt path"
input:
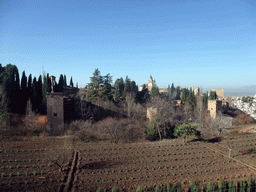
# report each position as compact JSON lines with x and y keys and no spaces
{"x":217,"y":151}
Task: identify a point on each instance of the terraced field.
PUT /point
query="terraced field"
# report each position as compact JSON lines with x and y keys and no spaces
{"x":25,"y":168}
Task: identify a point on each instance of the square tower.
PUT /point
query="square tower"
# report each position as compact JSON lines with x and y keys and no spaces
{"x":214,"y":106}
{"x":55,"y":112}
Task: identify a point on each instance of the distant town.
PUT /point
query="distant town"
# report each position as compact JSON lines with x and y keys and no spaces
{"x":246,"y":104}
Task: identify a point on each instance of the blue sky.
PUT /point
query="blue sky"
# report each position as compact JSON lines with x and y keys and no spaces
{"x":205,"y":43}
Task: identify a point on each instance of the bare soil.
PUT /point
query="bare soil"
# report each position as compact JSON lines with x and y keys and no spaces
{"x":127,"y":166}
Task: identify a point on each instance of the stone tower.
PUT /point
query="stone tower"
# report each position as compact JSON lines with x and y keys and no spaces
{"x":150,"y":83}
{"x":214,"y":106}
{"x":220,"y":93}
{"x":55,"y":112}
{"x":53,"y":82}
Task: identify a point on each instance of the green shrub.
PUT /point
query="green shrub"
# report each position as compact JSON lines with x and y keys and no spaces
{"x":211,"y":186}
{"x":186,"y":130}
{"x":158,"y":188}
{"x":115,"y":189}
{"x":222,"y":186}
{"x":140,"y":189}
{"x":170,"y":187}
{"x":101,"y":190}
{"x":194,"y":186}
{"x":242,"y":186}
{"x":231,"y":186}
{"x":158,"y":122}
{"x":150,"y":188}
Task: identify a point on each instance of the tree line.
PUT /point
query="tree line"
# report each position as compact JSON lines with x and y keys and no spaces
{"x":16,"y":92}
{"x":101,"y":87}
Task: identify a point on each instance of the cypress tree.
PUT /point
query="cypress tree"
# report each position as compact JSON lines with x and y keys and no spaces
{"x":168,"y":91}
{"x":128,"y":84}
{"x":11,"y":87}
{"x":177,"y":97}
{"x":17,"y":108}
{"x":213,"y":95}
{"x":205,"y":100}
{"x":134,"y":87}
{"x":34,"y":89}
{"x":65,"y":80}
{"x":39,"y":94}
{"x":172,"y":90}
{"x":118,"y":88}
{"x":2,"y":69}
{"x":61,"y":83}
{"x":45,"y":90}
{"x":185,"y":95}
{"x":24,"y":92}
{"x":71,"y":82}
{"x":107,"y":88}
{"x":48,"y":83}
{"x":29,"y":95}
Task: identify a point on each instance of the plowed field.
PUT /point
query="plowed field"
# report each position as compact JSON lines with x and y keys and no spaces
{"x":24,"y":168}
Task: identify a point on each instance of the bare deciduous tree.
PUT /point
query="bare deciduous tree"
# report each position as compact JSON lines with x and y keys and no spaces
{"x":162,"y":111}
{"x":29,"y":119}
{"x":134,"y":110}
{"x":231,"y":143}
{"x":218,"y":125}
{"x":187,"y":111}
{"x":60,"y":155}
{"x":130,"y":102}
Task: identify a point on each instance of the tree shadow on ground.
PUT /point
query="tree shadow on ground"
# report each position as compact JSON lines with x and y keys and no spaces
{"x":210,"y":140}
{"x":249,"y":151}
{"x":99,"y":165}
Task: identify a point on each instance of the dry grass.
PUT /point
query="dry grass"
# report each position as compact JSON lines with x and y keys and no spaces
{"x":115,"y":130}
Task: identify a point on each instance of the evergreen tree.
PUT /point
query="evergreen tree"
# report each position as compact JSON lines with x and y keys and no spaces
{"x":30,"y":93}
{"x":45,"y":90}
{"x":191,"y":99}
{"x":128,"y":84}
{"x":71,"y":82}
{"x":213,"y":95}
{"x":177,"y":90}
{"x":143,"y":95}
{"x":34,"y":98}
{"x":205,"y":100}
{"x":61,"y":83}
{"x":172,"y":90}
{"x":40,"y":94}
{"x":155,"y":89}
{"x":185,"y":95}
{"x":124,"y":93}
{"x":96,"y":80}
{"x":134,"y":87}
{"x":17,"y":108}
{"x":11,"y":86}
{"x":118,"y":88}
{"x":106,"y":92}
{"x":2,"y":69}
{"x":65,"y":80}
{"x":24,"y":92}
{"x":95,"y":86}
{"x":48,"y":83}
{"x":168,"y":91}
{"x":76,"y":84}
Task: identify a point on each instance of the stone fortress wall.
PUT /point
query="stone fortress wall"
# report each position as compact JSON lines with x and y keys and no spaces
{"x":214,"y":106}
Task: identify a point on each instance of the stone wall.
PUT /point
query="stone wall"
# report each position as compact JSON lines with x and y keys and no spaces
{"x":151,"y":111}
{"x":220,"y":93}
{"x":214,"y":106}
{"x":55,"y":112}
